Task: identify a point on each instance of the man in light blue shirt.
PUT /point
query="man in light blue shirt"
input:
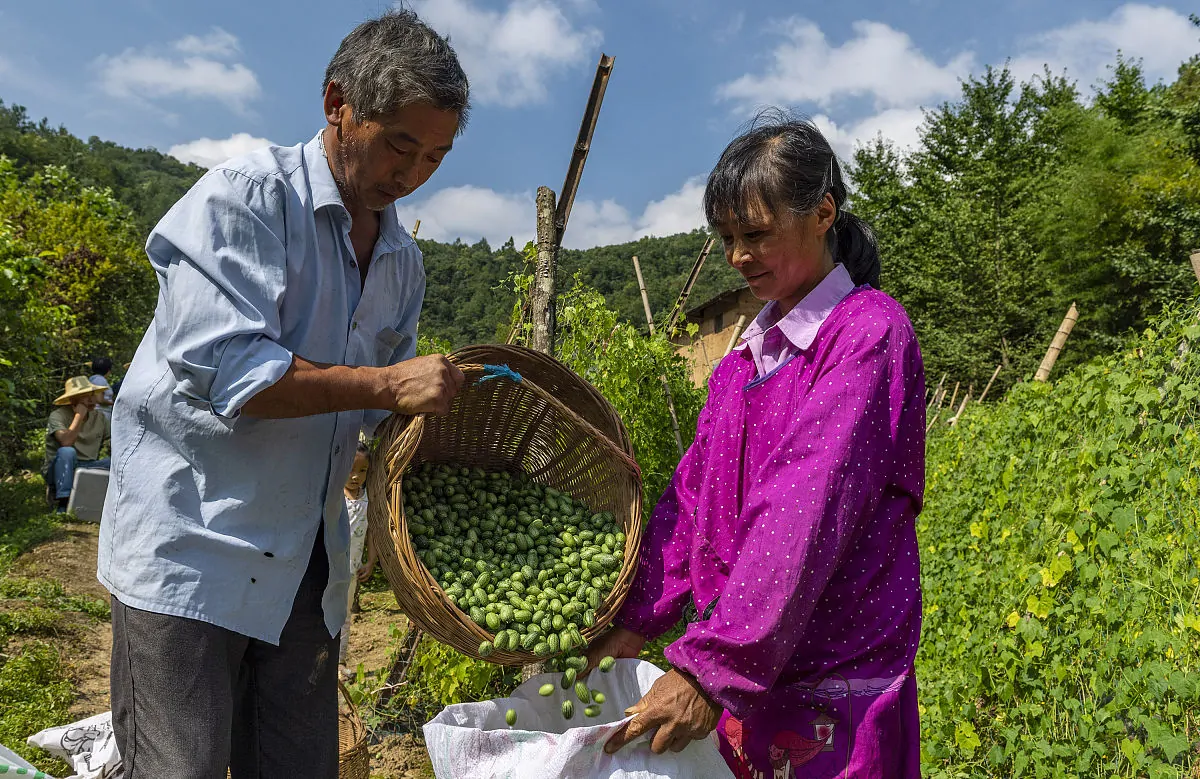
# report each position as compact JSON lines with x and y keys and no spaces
{"x":286,"y":323}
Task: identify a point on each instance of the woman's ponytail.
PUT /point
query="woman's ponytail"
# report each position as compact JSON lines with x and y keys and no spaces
{"x":854,"y":246}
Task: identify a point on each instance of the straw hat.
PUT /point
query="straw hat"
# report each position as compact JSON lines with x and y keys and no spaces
{"x":76,"y":386}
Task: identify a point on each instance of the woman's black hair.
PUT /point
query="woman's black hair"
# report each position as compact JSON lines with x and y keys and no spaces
{"x":101,"y":366}
{"x":785,"y":163}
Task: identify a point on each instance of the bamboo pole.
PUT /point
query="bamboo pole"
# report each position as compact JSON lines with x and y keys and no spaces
{"x":737,"y":330}
{"x":929,"y":425}
{"x":1196,"y":264}
{"x":1056,"y":345}
{"x":954,"y":397}
{"x":990,"y":381}
{"x":677,"y":309}
{"x":583,"y":144}
{"x":416,"y":229}
{"x":637,"y":268}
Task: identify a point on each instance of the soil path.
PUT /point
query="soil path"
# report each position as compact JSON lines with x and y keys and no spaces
{"x":70,"y":559}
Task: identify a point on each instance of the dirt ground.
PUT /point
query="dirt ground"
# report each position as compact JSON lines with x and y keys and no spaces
{"x":70,"y":558}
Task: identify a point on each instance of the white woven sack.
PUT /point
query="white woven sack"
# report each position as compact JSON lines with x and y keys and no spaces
{"x":472,"y":741}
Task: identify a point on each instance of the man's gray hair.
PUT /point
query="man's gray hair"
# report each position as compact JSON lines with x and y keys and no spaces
{"x":395,"y":61}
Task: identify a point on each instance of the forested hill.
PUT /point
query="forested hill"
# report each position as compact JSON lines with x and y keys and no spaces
{"x":469,"y":300}
{"x":145,"y":180}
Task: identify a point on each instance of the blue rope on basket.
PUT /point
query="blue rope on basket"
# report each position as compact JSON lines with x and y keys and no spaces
{"x":497,"y":371}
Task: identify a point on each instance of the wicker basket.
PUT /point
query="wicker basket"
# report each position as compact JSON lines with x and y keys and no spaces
{"x":553,"y":427}
{"x":354,"y":759}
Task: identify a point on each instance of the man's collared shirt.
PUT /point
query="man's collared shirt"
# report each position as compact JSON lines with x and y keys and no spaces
{"x":772,"y":339}
{"x":211,"y":515}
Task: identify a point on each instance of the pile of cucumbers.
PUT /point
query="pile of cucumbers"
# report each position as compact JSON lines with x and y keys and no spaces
{"x":528,"y":563}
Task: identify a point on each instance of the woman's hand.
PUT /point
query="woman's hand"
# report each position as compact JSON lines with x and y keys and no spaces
{"x":365,"y":571}
{"x":675,"y":706}
{"x":617,"y":643}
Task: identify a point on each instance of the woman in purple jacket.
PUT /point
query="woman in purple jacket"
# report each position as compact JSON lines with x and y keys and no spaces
{"x":789,"y":525}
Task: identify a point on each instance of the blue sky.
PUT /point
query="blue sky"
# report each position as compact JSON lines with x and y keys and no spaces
{"x":203,"y":81}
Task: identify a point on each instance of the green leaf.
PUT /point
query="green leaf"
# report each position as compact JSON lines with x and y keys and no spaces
{"x":965,"y":738}
{"x":1132,"y":750}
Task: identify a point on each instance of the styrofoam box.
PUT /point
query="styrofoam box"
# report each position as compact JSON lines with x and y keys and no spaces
{"x":87,"y":496}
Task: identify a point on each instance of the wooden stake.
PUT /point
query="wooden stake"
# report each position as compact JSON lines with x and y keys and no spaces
{"x":541,"y":296}
{"x":929,"y":425}
{"x":687,"y":286}
{"x":637,"y":268}
{"x":1196,"y":264}
{"x":591,"y":114}
{"x":989,"y":384}
{"x":737,"y":330}
{"x":674,"y":419}
{"x":416,"y":229}
{"x":399,"y":673}
{"x":1056,"y":345}
{"x":955,"y":395}
{"x":966,"y":399}
{"x":937,"y":392}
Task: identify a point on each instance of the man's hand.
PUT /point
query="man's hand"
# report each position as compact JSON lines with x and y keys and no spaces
{"x":676,"y":707}
{"x":422,"y":385}
{"x":364,"y":572}
{"x":81,"y":409}
{"x":616,"y":643}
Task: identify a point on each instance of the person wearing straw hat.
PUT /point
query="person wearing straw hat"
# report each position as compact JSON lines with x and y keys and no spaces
{"x":289,"y":293}
{"x":75,"y":433}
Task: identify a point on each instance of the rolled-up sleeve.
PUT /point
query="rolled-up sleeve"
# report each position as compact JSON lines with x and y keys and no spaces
{"x":220,"y":255}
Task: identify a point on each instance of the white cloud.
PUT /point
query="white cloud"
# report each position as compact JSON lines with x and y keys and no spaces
{"x":879,"y":63}
{"x":218,"y":43}
{"x":899,"y":125}
{"x":678,"y":212}
{"x":509,"y":55}
{"x":209,"y":152}
{"x":200,"y":72}
{"x":1160,"y":37}
{"x":471,"y":213}
{"x":883,"y":67}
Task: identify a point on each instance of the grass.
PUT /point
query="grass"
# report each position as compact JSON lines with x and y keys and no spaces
{"x":35,"y":692}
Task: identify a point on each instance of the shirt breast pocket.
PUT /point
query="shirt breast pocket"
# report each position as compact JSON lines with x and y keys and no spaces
{"x":386,"y":343}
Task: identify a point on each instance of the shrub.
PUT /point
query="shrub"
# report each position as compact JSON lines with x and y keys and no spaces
{"x":1062,"y":635}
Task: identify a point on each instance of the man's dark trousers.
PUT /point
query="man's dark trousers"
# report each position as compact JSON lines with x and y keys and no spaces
{"x":190,"y":698}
